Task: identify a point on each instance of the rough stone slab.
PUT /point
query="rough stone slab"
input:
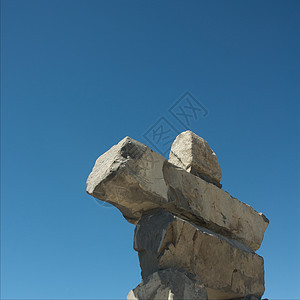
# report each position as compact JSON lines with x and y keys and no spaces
{"x":226,"y":267}
{"x":169,"y":284}
{"x":135,"y":179}
{"x":192,"y":153}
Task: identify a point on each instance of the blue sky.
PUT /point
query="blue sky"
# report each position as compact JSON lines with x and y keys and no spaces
{"x":78,"y":76}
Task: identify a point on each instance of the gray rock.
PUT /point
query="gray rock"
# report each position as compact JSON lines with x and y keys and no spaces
{"x":192,"y":153}
{"x":135,"y":179}
{"x":169,"y":284}
{"x":227,"y":268}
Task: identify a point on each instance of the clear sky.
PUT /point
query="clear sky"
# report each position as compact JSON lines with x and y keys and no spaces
{"x":78,"y":76}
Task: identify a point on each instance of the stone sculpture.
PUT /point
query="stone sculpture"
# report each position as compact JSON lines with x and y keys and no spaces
{"x":194,"y":240}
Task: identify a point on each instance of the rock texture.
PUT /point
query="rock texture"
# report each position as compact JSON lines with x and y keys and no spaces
{"x":169,"y":284}
{"x":226,"y":267}
{"x":194,"y":240}
{"x":192,"y":153}
{"x":135,"y":179}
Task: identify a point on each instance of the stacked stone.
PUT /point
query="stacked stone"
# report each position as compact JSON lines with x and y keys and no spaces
{"x":194,"y":240}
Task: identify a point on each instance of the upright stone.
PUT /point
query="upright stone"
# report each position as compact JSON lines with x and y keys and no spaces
{"x":192,"y":153}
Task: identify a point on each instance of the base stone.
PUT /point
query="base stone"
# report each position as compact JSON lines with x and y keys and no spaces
{"x":227,"y":268}
{"x":169,"y":284}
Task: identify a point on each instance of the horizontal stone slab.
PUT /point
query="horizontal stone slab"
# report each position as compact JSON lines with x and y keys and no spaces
{"x":169,"y":284}
{"x":226,"y":267}
{"x":192,"y":153}
{"x":135,"y":179}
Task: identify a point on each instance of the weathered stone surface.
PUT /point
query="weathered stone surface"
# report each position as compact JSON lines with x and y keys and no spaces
{"x":135,"y":179}
{"x":192,"y":153}
{"x":226,"y":267}
{"x":169,"y":284}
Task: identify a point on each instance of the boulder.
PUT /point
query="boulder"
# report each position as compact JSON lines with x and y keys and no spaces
{"x":169,"y":284}
{"x":192,"y":153}
{"x":135,"y":179}
{"x":227,"y":268}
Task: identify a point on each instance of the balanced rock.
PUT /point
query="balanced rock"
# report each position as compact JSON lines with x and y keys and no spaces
{"x":227,"y":268}
{"x":192,"y":153}
{"x":169,"y":284}
{"x":135,"y":179}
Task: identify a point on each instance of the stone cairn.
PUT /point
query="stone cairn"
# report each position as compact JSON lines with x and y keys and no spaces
{"x":194,"y":240}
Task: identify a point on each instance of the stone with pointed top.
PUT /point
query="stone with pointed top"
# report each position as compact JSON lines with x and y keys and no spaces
{"x":192,"y":153}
